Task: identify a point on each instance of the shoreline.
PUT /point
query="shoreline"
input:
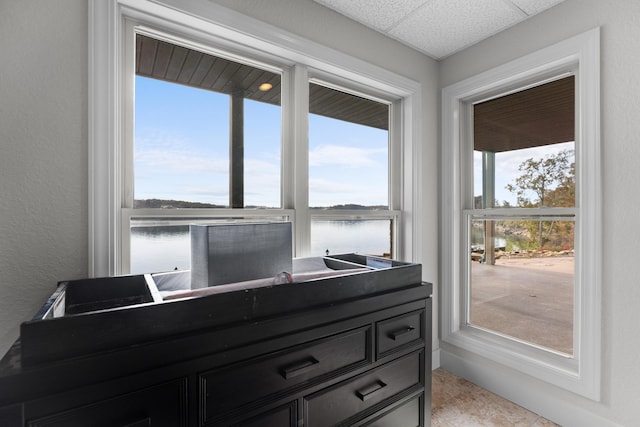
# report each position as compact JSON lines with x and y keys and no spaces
{"x":557,"y":263}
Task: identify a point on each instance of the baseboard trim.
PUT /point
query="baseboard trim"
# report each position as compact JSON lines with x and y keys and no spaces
{"x":535,"y":396}
{"x":435,"y":359}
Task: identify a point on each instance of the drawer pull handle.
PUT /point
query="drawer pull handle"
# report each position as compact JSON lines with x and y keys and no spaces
{"x":370,"y":391}
{"x":401,"y":332}
{"x":298,"y":368}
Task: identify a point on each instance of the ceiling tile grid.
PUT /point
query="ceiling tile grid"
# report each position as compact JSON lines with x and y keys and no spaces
{"x":378,"y":14}
{"x":439,"y":28}
{"x":533,"y":7}
{"x":433,"y":30}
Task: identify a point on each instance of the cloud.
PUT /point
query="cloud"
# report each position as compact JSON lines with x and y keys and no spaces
{"x":208,"y":193}
{"x":507,"y":164}
{"x":324,"y":155}
{"x":333,"y":187}
{"x":323,"y":192}
{"x":181,"y":161}
{"x":159,"y":150}
{"x":260,"y":169}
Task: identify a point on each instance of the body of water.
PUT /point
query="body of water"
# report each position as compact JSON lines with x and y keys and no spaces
{"x":164,"y":248}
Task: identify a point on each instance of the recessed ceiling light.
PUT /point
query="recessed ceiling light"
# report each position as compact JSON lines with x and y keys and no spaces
{"x":265,"y":87}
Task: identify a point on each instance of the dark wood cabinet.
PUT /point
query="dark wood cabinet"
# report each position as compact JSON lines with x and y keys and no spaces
{"x":160,"y":405}
{"x":364,"y":359}
{"x":258,"y":380}
{"x":398,"y":332}
{"x":285,"y":416}
{"x":368,"y":393}
{"x":406,"y":413}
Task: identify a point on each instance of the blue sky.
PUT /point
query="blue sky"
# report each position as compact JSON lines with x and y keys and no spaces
{"x":507,"y":164}
{"x":182,"y":143}
{"x":181,"y":151}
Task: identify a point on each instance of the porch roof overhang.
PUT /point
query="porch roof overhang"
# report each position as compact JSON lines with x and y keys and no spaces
{"x":542,"y":115}
{"x":177,"y":64}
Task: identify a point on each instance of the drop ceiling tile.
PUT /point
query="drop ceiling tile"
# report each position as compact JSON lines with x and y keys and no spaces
{"x":442,"y":27}
{"x":379,"y":14}
{"x":531,"y":7}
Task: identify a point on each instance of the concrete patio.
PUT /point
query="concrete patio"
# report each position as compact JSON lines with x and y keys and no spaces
{"x":527,"y":298}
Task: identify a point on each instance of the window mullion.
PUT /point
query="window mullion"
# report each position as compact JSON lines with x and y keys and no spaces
{"x":515,"y":213}
{"x":299,"y":166}
{"x":126,"y":165}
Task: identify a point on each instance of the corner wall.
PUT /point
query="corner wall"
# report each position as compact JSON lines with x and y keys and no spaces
{"x":43,"y":154}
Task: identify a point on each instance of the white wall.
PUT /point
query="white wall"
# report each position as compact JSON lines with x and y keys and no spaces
{"x":43,"y":129}
{"x":620,"y":88}
{"x":43,"y":154}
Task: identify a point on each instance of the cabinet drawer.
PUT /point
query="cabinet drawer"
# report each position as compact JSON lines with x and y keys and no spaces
{"x":399,"y":332}
{"x":11,"y":416}
{"x":407,"y":415}
{"x":283,"y":416}
{"x":274,"y":375}
{"x":338,"y":403}
{"x":161,"y":405}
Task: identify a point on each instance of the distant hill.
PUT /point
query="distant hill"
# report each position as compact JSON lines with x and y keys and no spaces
{"x":168,"y":204}
{"x":355,"y":207}
{"x":181,"y":204}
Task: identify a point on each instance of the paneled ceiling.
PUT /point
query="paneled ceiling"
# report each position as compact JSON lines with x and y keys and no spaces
{"x":165,"y":61}
{"x":542,"y":115}
{"x":439,"y":28}
{"x":538,"y":116}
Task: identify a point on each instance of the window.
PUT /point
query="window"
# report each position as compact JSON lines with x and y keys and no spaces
{"x":522,"y":215}
{"x":349,"y":143}
{"x":521,"y":205}
{"x":207,"y":135}
{"x":206,"y":128}
{"x":182,"y":130}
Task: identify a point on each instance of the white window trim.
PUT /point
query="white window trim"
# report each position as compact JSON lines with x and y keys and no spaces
{"x":580,"y":374}
{"x":202,"y":21}
{"x":394,"y":213}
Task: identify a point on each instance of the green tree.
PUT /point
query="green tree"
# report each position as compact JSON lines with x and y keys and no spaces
{"x":540,"y":176}
{"x":552,"y":181}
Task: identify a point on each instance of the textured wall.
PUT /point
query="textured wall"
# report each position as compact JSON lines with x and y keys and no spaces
{"x":43,"y":129}
{"x":43,"y":154}
{"x":43,"y":149}
{"x":620,"y":93}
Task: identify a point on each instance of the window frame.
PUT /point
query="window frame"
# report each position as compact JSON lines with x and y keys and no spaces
{"x":131,"y":27}
{"x":111,"y":126}
{"x":581,"y":373}
{"x":394,"y":212}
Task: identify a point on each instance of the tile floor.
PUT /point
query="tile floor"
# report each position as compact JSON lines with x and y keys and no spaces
{"x":457,"y":402}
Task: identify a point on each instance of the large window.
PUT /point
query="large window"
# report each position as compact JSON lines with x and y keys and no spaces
{"x":349,"y":143}
{"x":204,"y":123}
{"x":521,"y":212}
{"x":207,"y":135}
{"x":207,"y":129}
{"x":521,"y":216}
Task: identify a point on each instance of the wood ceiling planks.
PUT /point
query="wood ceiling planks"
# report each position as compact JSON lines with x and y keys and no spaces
{"x":172,"y":63}
{"x":541,"y":115}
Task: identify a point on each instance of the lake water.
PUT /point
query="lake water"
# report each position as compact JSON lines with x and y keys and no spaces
{"x":168,"y":247}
